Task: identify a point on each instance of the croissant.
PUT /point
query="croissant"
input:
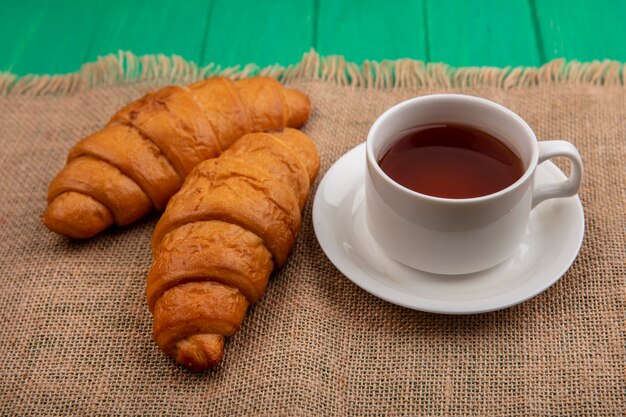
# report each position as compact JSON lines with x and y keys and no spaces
{"x":233,"y":222}
{"x":141,"y":157}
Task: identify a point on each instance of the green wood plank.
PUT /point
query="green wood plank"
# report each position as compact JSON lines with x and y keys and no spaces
{"x":582,"y":29}
{"x":151,"y":27}
{"x":372,"y":29}
{"x":490,"y":32}
{"x":46,"y":36}
{"x":57,"y":36}
{"x":265,"y":33}
{"x":17,"y":34}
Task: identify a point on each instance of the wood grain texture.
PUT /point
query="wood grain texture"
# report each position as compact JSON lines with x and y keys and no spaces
{"x":582,"y":29}
{"x":371,"y":29}
{"x":47,"y":36}
{"x":151,"y":27}
{"x":489,"y":32}
{"x":265,"y":33}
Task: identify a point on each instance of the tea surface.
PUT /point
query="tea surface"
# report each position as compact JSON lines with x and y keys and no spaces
{"x":451,"y":161}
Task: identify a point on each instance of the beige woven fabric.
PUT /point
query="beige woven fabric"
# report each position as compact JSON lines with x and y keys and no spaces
{"x":76,"y":339}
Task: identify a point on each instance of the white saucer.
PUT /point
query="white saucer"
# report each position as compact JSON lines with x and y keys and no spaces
{"x":549,"y":247}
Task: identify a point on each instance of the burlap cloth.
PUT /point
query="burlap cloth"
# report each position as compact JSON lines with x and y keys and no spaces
{"x":75,"y":336}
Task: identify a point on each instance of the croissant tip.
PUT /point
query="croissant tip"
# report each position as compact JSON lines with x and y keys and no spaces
{"x":76,"y":216}
{"x":299,"y":107}
{"x":200,"y":352}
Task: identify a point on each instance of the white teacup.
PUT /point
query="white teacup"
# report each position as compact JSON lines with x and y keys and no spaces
{"x":458,"y":236}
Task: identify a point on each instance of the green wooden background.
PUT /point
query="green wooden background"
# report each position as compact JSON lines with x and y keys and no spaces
{"x":57,"y":36}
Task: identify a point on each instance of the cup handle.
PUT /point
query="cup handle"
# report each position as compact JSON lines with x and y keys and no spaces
{"x":569,"y":187}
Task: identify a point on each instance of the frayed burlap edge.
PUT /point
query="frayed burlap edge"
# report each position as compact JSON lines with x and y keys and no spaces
{"x":125,"y":67}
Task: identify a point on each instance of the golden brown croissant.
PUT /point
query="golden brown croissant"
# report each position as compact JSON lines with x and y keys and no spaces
{"x":233,"y":221}
{"x":141,"y":157}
